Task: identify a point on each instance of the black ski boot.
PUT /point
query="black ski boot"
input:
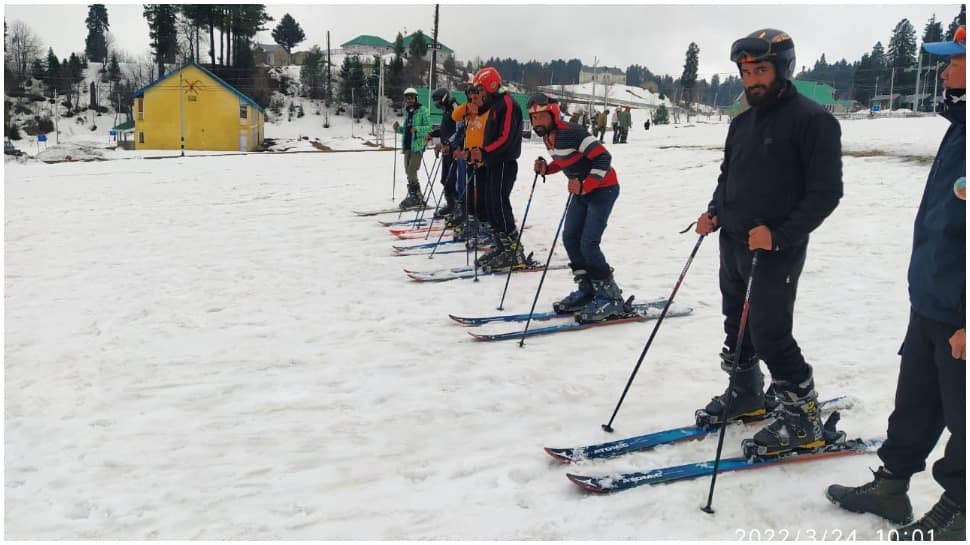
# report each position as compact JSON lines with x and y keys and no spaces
{"x":744,"y":398}
{"x":579,"y":298}
{"x":885,"y":496}
{"x":413,"y":199}
{"x":607,"y":302}
{"x":457,"y":217}
{"x":946,"y":521}
{"x":508,"y":254}
{"x":447,"y":209}
{"x":797,"y":426}
{"x":484,"y":262}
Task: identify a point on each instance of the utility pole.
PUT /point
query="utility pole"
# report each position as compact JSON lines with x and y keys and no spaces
{"x":892,"y":80}
{"x":181,"y":116}
{"x":593,"y":92}
{"x":936,"y":81}
{"x":329,"y":92}
{"x":919,"y":68}
{"x":434,"y":52}
{"x":380,"y":104}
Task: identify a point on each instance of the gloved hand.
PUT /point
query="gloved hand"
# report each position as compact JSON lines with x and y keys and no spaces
{"x":540,"y":166}
{"x":706,"y":224}
{"x":396,"y":125}
{"x":575,"y":186}
{"x":445,"y":149}
{"x":460,"y":155}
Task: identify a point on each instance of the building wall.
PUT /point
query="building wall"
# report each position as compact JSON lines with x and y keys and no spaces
{"x":213,"y":119}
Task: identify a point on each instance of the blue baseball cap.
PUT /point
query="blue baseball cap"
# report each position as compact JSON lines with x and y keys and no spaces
{"x":957,"y":47}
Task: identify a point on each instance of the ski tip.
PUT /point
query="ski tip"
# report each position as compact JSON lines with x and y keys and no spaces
{"x":458,"y":319}
{"x":477,"y":336}
{"x":560,"y":454}
{"x":588,"y":484}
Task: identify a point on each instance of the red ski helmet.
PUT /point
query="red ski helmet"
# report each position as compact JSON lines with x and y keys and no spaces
{"x":488,"y":79}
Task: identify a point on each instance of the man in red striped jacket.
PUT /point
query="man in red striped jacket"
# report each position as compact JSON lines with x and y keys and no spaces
{"x":593,"y":184}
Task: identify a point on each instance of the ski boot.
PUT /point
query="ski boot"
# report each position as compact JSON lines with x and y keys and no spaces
{"x":484,"y":262}
{"x":413,"y":199}
{"x":447,"y":209}
{"x":946,"y":521}
{"x":579,"y":298}
{"x":798,"y":424}
{"x":607,"y":302}
{"x":885,"y":496}
{"x":508,"y":254}
{"x":744,"y":397}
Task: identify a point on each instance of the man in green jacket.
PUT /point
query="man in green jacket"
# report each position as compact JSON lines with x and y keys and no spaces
{"x":417,"y":124}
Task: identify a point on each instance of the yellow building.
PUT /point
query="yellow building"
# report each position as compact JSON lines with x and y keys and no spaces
{"x":192,"y":101}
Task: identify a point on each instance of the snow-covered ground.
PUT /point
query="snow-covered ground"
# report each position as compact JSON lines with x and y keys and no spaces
{"x":214,"y":347}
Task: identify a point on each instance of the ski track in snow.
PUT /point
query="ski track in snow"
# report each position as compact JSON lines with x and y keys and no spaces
{"x":216,"y":348}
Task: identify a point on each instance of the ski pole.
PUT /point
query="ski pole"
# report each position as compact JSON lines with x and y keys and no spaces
{"x":451,"y":169}
{"x":608,"y":426}
{"x":478,"y":222}
{"x":518,"y":239}
{"x":428,"y":194}
{"x":552,"y":248}
{"x":734,"y":368}
{"x":394,"y":175}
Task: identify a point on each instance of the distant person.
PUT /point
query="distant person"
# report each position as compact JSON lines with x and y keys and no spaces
{"x":646,"y":124}
{"x":931,"y":392}
{"x":601,"y":120}
{"x":615,"y":122}
{"x":417,"y":124}
{"x":626,"y":121}
{"x":592,"y":181}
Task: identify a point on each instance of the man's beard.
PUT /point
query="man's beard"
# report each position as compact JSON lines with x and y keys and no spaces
{"x":769,"y":94}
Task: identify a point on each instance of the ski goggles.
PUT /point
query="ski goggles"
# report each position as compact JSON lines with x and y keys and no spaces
{"x":755,"y":49}
{"x":539,"y":103}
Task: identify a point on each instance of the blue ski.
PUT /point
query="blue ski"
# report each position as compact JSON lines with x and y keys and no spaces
{"x":623,"y":481}
{"x":665,"y":437}
{"x":638,"y":315}
{"x":480,"y":320}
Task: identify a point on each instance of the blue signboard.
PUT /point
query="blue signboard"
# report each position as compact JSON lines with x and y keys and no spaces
{"x":875,"y":107}
{"x":111,"y":132}
{"x":42,"y":138}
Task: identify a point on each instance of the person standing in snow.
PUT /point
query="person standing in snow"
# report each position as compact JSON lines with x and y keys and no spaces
{"x":931,"y":391}
{"x":499,"y":153}
{"x":615,"y":123}
{"x":594,"y":185}
{"x":626,"y":120}
{"x":442,"y":98}
{"x":417,"y":124}
{"x":601,"y":119}
{"x":781,"y":176}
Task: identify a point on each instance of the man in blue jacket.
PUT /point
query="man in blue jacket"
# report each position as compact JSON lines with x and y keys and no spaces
{"x":932,"y":387}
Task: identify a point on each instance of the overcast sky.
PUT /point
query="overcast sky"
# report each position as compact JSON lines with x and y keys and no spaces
{"x":655,"y":36}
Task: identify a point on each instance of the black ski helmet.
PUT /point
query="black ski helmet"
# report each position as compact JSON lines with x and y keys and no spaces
{"x":441,"y":95}
{"x":767,"y":44}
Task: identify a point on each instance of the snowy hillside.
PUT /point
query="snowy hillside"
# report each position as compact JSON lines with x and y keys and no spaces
{"x":215,"y":347}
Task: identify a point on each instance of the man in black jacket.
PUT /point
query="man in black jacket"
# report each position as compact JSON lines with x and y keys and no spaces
{"x":499,"y":153}
{"x":443,"y":101}
{"x":780,"y":178}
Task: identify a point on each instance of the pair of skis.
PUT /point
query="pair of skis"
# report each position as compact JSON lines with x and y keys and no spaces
{"x":636,"y":312}
{"x":836,"y":446}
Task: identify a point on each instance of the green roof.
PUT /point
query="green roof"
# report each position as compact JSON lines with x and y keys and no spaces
{"x":370,"y":41}
{"x":127,"y":125}
{"x":427,"y":39}
{"x":819,"y":92}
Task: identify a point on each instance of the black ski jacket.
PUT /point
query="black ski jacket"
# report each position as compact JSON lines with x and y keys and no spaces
{"x":783,"y":166}
{"x":503,"y":130}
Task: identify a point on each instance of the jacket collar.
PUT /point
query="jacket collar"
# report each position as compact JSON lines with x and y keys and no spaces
{"x":955,"y":107}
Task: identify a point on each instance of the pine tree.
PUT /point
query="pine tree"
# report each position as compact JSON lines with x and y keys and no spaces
{"x":95,"y":45}
{"x":312,"y":72}
{"x":346,"y":83}
{"x":394,"y":79}
{"x":661,"y":116}
{"x":359,"y":85}
{"x":114,"y":69}
{"x":288,"y":33}
{"x":901,"y":55}
{"x":161,"y":30}
{"x":418,"y":46}
{"x":52,"y":74}
{"x":689,"y":77}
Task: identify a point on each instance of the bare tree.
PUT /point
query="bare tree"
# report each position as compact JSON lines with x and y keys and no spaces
{"x":25,"y":46}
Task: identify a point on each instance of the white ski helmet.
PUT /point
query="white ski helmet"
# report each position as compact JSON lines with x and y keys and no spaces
{"x":411,"y":91}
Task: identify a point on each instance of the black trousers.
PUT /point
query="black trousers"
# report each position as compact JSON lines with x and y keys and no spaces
{"x":769,"y":329}
{"x":498,"y":189}
{"x":930,"y":395}
{"x":449,"y":175}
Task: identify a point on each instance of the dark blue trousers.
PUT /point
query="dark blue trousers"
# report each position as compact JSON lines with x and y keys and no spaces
{"x":931,"y":394}
{"x":586,"y":220}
